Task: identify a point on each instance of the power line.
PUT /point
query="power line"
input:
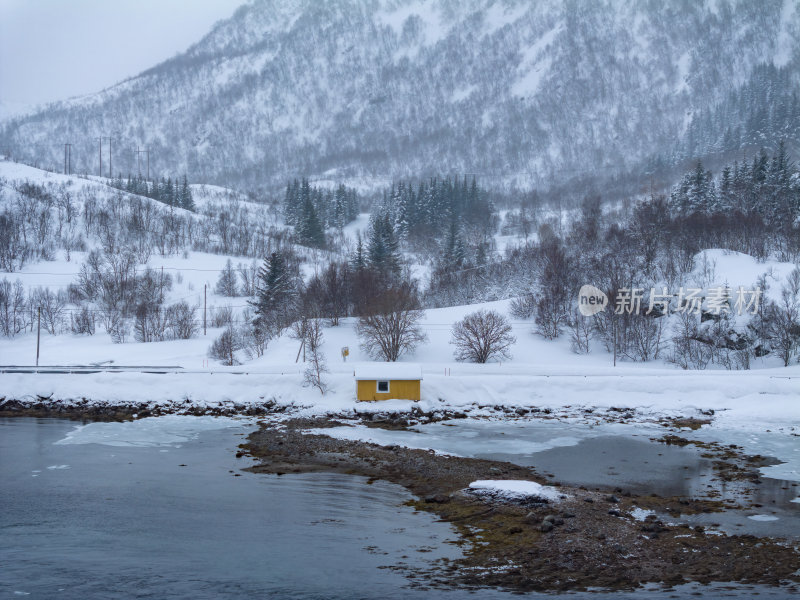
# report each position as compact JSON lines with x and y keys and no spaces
{"x":142,"y":269}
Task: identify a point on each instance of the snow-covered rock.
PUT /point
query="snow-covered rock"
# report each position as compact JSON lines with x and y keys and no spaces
{"x":515,"y":489}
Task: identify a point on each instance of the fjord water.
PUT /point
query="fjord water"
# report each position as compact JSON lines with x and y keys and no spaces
{"x":154,"y":509}
{"x":146,"y":519}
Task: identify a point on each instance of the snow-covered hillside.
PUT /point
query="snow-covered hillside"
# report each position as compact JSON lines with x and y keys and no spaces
{"x":193,"y":276}
{"x":517,"y":92}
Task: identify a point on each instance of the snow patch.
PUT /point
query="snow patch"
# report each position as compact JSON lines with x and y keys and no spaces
{"x":168,"y":430}
{"x":640,"y":514}
{"x":533,"y":66}
{"x":515,"y":489}
{"x":762,"y":518}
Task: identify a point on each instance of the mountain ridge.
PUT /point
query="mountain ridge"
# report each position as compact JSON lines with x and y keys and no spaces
{"x":519,"y":94}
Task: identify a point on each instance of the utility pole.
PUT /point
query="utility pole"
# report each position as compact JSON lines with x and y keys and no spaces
{"x":100,"y":172}
{"x":139,"y":162}
{"x":38,"y":333}
{"x":110,"y":170}
{"x":67,"y":161}
{"x":614,"y":325}
{"x":205,"y":286}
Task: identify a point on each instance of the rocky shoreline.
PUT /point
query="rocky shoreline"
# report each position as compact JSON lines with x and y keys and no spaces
{"x":83,"y":409}
{"x":588,"y":539}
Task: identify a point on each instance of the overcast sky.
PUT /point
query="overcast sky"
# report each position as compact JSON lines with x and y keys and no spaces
{"x":55,"y":49}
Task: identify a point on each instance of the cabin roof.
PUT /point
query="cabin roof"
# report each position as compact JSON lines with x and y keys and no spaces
{"x":387,"y":370}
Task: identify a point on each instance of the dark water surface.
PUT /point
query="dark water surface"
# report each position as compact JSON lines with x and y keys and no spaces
{"x":168,"y":519}
{"x":98,"y":521}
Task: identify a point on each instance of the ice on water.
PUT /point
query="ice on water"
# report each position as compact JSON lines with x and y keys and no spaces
{"x":167,"y":430}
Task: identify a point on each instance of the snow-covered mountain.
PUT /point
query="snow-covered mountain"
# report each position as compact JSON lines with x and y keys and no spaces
{"x":515,"y":91}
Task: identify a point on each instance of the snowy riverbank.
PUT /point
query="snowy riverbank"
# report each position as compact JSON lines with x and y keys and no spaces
{"x":745,"y":401}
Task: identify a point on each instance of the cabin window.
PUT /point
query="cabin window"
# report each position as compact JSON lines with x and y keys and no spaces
{"x":383,"y":387}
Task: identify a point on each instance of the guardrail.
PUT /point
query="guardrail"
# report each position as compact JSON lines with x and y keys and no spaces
{"x":88,"y":369}
{"x":157,"y":370}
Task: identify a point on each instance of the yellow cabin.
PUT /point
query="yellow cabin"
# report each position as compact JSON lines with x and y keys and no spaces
{"x":388,"y":381}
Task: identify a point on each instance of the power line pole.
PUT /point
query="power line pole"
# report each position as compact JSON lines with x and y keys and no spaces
{"x":110,"y":170}
{"x":100,"y":172}
{"x":67,"y":161}
{"x":139,"y":161}
{"x":38,"y":333}
{"x":205,"y":286}
{"x":614,"y":324}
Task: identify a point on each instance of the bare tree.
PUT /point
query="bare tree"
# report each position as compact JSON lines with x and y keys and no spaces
{"x":643,"y":335}
{"x":254,"y":339}
{"x":13,"y":250}
{"x":316,"y":359}
{"x":390,"y":327}
{"x":151,"y":323}
{"x":783,"y":319}
{"x":118,"y":327}
{"x":182,"y":322}
{"x":581,"y":330}
{"x":482,"y":335}
{"x":12,"y":308}
{"x":225,"y":346}
{"x":336,"y":292}
{"x":689,"y":350}
{"x":83,"y":322}
{"x":552,"y":312}
{"x":221,"y":316}
{"x":523,"y":307}
{"x":53,"y":306}
{"x":248,"y":277}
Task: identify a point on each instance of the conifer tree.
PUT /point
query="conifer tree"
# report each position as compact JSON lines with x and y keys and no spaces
{"x":382,"y":251}
{"x":276,"y":295}
{"x":309,"y":228}
{"x":454,"y":253}
{"x":358,"y":261}
{"x":186,"y":199}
